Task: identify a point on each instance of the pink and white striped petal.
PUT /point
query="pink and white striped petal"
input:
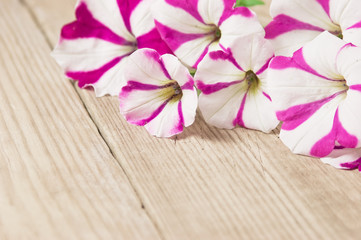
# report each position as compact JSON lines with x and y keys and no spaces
{"x":314,"y":98}
{"x":159,"y":93}
{"x":233,"y":86}
{"x":191,"y":28}
{"x":296,"y":22}
{"x":344,"y":158}
{"x":94,"y":48}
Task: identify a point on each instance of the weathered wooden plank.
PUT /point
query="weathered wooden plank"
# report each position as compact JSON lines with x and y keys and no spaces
{"x":217,"y":184}
{"x":58,"y":179}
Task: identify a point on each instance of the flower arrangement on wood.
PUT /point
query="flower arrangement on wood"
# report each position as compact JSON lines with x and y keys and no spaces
{"x":233,"y":85}
{"x":312,"y":86}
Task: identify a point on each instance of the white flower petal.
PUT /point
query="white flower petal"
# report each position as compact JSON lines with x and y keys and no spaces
{"x":250,"y":25}
{"x":211,"y":10}
{"x":87,"y":54}
{"x":304,"y":137}
{"x":348,"y":12}
{"x":309,"y":11}
{"x":177,"y":18}
{"x":141,"y":19}
{"x":258,"y":112}
{"x":111,"y":82}
{"x":146,"y":67}
{"x":288,"y":42}
{"x":192,"y":52}
{"x":167,"y":123}
{"x":252,"y":52}
{"x":344,"y":158}
{"x":323,"y":58}
{"x":221,"y":107}
{"x":189,"y":105}
{"x":140,"y":106}
{"x":107,"y":12}
{"x":177,"y":70}
{"x":289,"y":84}
{"x":350,"y":119}
{"x":217,"y":67}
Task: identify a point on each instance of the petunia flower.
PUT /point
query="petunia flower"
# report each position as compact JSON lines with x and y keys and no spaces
{"x":317,"y":94}
{"x":296,"y":22}
{"x":191,"y":28}
{"x":234,"y":88}
{"x":93,"y":49}
{"x":344,"y":158}
{"x":159,"y":93}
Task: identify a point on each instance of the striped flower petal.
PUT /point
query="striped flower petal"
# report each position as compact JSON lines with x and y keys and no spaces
{"x":233,"y":86}
{"x":316,"y":94}
{"x":344,"y":158}
{"x":191,"y":28}
{"x":297,"y":22}
{"x":159,"y":93}
{"x":94,"y":49}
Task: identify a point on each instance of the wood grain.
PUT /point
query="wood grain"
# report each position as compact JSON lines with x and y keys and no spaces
{"x":58,"y":179}
{"x":205,"y":184}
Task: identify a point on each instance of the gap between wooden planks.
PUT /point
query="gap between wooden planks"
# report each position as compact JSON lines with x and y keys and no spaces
{"x":217,"y":184}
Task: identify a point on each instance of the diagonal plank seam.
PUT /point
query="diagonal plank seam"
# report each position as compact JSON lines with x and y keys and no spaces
{"x":43,"y":32}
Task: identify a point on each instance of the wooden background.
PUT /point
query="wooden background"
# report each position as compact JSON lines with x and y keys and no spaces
{"x":72,"y":168}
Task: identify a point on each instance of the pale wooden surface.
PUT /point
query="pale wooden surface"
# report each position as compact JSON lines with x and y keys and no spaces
{"x":72,"y":168}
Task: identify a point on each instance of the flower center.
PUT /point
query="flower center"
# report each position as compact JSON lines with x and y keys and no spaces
{"x":338,"y":33}
{"x":172,"y":91}
{"x":252,"y":81}
{"x":217,"y":34}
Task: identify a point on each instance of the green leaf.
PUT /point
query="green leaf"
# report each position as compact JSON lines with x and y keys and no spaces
{"x":248,"y":3}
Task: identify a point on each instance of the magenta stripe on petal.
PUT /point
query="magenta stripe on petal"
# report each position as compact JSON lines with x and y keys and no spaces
{"x":267,"y":96}
{"x":126,"y":7}
{"x":188,"y":85}
{"x":190,"y":6}
{"x":338,"y":133}
{"x":173,"y":38}
{"x":281,"y":62}
{"x":296,"y":115}
{"x":299,"y":59}
{"x":133,"y":85}
{"x":264,"y":67}
{"x":179,"y":127}
{"x":154,"y":56}
{"x":228,"y":12}
{"x":87,"y":26}
{"x":356,"y":87}
{"x":239,"y":118}
{"x":357,"y":25}
{"x":352,"y":165}
{"x":204,"y":53}
{"x":91,"y":77}
{"x":153,"y":40}
{"x":225,"y":55}
{"x":212,"y":88}
{"x":325,"y":5}
{"x":283,"y":24}
{"x":151,"y":117}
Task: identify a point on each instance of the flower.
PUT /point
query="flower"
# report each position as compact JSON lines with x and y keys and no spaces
{"x":344,"y":158}
{"x":297,"y":22}
{"x":233,"y":86}
{"x":93,"y":49}
{"x":192,"y":28}
{"x":317,"y":94}
{"x":159,"y":93}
